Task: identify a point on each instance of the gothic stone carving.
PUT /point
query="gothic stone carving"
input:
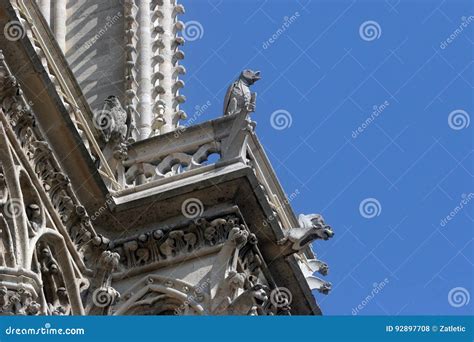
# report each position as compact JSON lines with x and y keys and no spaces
{"x":312,"y":227}
{"x":21,"y":119}
{"x":239,"y":98}
{"x":235,"y":285}
{"x":164,"y":245}
{"x":156,"y":295}
{"x":102,"y":294}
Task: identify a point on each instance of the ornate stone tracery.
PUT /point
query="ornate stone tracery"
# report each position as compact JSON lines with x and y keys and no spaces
{"x":20,"y":119}
{"x":32,"y":247}
{"x":235,"y":284}
{"x":155,"y":295}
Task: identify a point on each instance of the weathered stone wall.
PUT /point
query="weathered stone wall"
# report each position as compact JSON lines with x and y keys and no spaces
{"x":95,"y":47}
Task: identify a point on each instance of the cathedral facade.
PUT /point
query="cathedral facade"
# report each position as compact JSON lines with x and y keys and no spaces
{"x":110,"y":204}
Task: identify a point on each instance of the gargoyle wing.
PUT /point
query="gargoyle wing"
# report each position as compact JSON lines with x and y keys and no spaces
{"x":227,"y":97}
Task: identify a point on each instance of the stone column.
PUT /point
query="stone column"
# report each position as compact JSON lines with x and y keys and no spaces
{"x":60,"y":16}
{"x":145,"y":70}
{"x":166,"y":64}
{"x":45,"y":7}
{"x":131,"y":72}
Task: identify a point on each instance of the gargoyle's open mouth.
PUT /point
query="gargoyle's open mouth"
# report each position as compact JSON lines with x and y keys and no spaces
{"x":308,"y":239}
{"x":260,"y":301}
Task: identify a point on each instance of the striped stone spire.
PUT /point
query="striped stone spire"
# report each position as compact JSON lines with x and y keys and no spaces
{"x":166,"y":68}
{"x":131,"y":41}
{"x":151,"y":86}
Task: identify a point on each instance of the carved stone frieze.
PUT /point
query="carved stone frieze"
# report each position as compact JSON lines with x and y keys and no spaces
{"x":161,"y":245}
{"x":235,"y":285}
{"x":21,"y":299}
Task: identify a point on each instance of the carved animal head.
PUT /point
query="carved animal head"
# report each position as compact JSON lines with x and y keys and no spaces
{"x":259,"y":293}
{"x":250,"y":76}
{"x":238,"y":236}
{"x":113,"y":101}
{"x":33,"y":212}
{"x":158,"y":234}
{"x":236,"y":280}
{"x":33,"y":308}
{"x":46,"y":253}
{"x":325,"y":288}
{"x":316,"y":221}
{"x":324,"y":269}
{"x":302,"y":236}
{"x":61,"y":292}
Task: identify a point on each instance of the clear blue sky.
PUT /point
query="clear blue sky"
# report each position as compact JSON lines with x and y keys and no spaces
{"x":413,"y":159}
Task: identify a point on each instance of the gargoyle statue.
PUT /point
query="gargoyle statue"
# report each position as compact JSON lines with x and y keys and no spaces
{"x":33,"y":212}
{"x":239,"y":97}
{"x":312,"y":227}
{"x":113,"y":120}
{"x":115,"y":124}
{"x":309,"y":267}
{"x":249,"y":302}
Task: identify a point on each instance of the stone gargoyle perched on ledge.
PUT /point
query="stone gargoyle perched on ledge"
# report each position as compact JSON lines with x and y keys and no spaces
{"x":311,"y":227}
{"x":239,"y":98}
{"x":113,"y":120}
{"x":115,"y":123}
{"x":240,"y":101}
